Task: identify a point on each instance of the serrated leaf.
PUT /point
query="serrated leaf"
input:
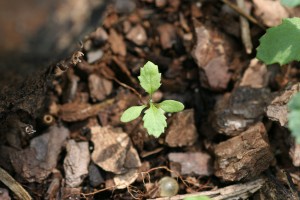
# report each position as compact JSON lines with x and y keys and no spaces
{"x":171,"y":106}
{"x":294,"y":124}
{"x":197,"y":198}
{"x":281,"y":44}
{"x":132,"y":113}
{"x":290,"y":3}
{"x":150,"y":77}
{"x":154,"y":121}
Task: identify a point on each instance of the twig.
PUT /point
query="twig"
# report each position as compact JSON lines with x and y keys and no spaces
{"x":238,"y":191}
{"x":245,"y":30}
{"x":13,"y":185}
{"x":241,"y":12}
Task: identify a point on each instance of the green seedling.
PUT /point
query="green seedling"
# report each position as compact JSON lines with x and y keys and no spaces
{"x":154,"y":117}
{"x":281,"y":44}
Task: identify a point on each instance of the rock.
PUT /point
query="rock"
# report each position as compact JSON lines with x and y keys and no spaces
{"x":235,"y":112}
{"x":99,"y":87}
{"x":244,"y":156}
{"x":183,"y":127}
{"x":95,"y":176}
{"x":198,"y":163}
{"x":37,"y":161}
{"x":277,"y":110}
{"x":125,"y":6}
{"x":76,"y":162}
{"x":113,"y":150}
{"x":137,"y":35}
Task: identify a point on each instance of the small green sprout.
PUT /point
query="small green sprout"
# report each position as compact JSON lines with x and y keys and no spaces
{"x":154,"y":118}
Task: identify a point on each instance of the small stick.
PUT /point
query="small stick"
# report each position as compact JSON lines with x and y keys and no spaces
{"x":247,"y":16}
{"x":13,"y":185}
{"x":245,"y":30}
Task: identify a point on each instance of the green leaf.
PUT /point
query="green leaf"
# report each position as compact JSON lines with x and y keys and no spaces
{"x":154,"y":121}
{"x":294,"y":124}
{"x":197,"y":198}
{"x":171,"y":106}
{"x":132,"y":113}
{"x":294,"y":103}
{"x":290,"y":3}
{"x":150,"y":77}
{"x":281,"y":44}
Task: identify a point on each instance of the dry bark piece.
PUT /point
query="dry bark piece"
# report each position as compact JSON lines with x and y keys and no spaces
{"x":256,"y":75}
{"x":99,"y":87}
{"x":117,"y":42}
{"x":37,"y":161}
{"x":211,"y":53}
{"x":198,"y":163}
{"x":295,"y":154}
{"x":53,"y":189}
{"x":71,"y":112}
{"x":235,"y":112}
{"x":113,"y":150}
{"x":183,"y":127}
{"x":124,"y":180}
{"x":167,"y":35}
{"x":76,"y":162}
{"x":137,"y":34}
{"x":244,"y":156}
{"x":271,"y":12}
{"x":278,"y":109}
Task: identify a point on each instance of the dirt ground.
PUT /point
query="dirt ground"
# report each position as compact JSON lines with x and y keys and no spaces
{"x":60,"y":131}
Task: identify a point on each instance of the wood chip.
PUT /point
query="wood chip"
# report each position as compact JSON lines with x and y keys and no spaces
{"x":137,"y":34}
{"x":99,"y":87}
{"x":113,"y":150}
{"x":244,"y":156}
{"x":183,"y":127}
{"x":198,"y":163}
{"x":167,"y":35}
{"x":37,"y":161}
{"x":117,"y":42}
{"x":76,"y":162}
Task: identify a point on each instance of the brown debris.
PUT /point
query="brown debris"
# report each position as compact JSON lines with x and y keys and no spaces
{"x":295,"y":154}
{"x":71,"y":112}
{"x":244,"y":156}
{"x":37,"y":161}
{"x":99,"y":87}
{"x":167,"y":35}
{"x":198,"y":163}
{"x":4,"y":195}
{"x":271,"y":12}
{"x":76,"y":162}
{"x":183,"y":127}
{"x":211,"y":55}
{"x":113,"y":151}
{"x":117,"y":42}
{"x":278,"y":110}
{"x":137,"y":34}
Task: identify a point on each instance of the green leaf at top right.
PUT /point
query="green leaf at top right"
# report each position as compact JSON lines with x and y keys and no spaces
{"x":171,"y":106}
{"x":281,"y":44}
{"x":290,"y":3}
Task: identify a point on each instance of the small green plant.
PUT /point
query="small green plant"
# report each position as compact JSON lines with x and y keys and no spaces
{"x":281,"y":44}
{"x":154,"y":118}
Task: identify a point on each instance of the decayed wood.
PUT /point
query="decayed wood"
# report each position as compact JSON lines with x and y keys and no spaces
{"x":13,"y":185}
{"x":244,"y":156}
{"x":238,"y":191}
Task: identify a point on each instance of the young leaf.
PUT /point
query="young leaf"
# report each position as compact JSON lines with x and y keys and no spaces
{"x":132,"y":113}
{"x":154,"y":121}
{"x":150,"y":77}
{"x":290,"y":3}
{"x":171,"y":106}
{"x":294,"y":103}
{"x":281,"y":44}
